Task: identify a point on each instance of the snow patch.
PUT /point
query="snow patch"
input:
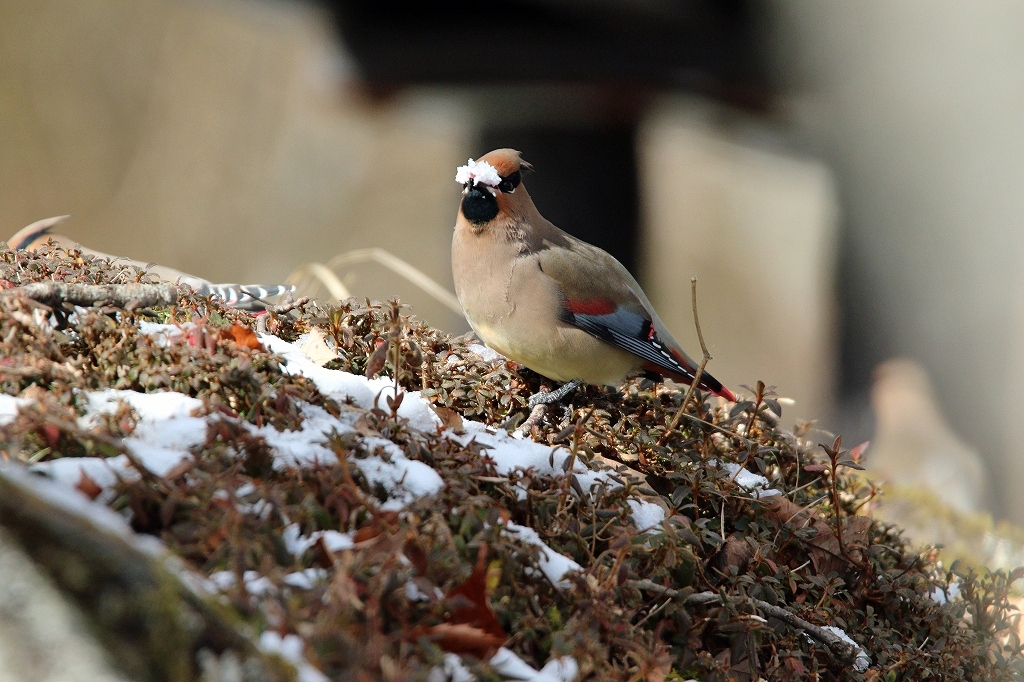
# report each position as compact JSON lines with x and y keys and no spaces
{"x":166,"y":430}
{"x":164,"y":335}
{"x":507,"y":664}
{"x":9,"y":408}
{"x":292,"y":649}
{"x":451,"y":670}
{"x":299,"y":544}
{"x":941,"y":596}
{"x":553,"y":565}
{"x":307,"y":579}
{"x":748,"y":480}
{"x":487,"y":354}
{"x":510,"y":453}
{"x":646,"y":515}
{"x":341,"y":385}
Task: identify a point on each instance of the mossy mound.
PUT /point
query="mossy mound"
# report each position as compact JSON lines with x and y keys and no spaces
{"x":681,"y":600}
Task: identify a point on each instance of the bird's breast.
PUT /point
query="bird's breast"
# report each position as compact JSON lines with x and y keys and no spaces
{"x":513,"y":306}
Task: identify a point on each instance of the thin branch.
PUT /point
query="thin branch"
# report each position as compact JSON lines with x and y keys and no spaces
{"x":286,"y":307}
{"x":536,"y":417}
{"x":844,"y":651}
{"x":128,"y":296}
{"x":700,"y":368}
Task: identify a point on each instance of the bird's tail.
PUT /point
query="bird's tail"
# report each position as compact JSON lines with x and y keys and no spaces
{"x":707,"y":382}
{"x":245,"y":296}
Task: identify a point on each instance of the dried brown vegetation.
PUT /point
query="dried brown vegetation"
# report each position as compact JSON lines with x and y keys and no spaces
{"x":677,"y":603}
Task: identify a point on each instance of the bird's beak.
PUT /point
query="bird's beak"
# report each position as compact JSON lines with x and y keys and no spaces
{"x":474,"y":186}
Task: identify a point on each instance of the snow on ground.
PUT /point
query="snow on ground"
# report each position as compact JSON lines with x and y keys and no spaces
{"x":166,"y":334}
{"x":165,"y":433}
{"x":508,"y":665}
{"x":748,"y":480}
{"x":510,"y":453}
{"x":171,"y":424}
{"x":9,"y":408}
{"x":941,"y":596}
{"x":298,"y":544}
{"x":71,"y":501}
{"x":485,"y":353}
{"x":646,"y":515}
{"x":292,"y":649}
{"x":553,"y":565}
{"x":343,"y":385}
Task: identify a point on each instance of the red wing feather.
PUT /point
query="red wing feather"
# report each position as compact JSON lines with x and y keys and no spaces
{"x":635,"y":333}
{"x":592,"y":307}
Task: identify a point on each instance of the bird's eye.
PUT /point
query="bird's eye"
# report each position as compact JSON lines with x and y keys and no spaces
{"x":509,"y":184}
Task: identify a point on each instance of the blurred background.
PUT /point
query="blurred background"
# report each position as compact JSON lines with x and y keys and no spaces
{"x":846,"y":179}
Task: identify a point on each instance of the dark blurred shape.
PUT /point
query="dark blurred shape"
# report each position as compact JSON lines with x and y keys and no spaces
{"x":565,"y":82}
{"x":706,"y":46}
{"x":586,"y":181}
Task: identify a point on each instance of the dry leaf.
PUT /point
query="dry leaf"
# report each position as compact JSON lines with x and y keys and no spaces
{"x":462,"y":638}
{"x":316,"y":349}
{"x":824,"y":550}
{"x":450,"y":419}
{"x":88,"y":487}
{"x":243,"y":336}
{"x":375,"y":363}
{"x":735,"y":552}
{"x":472,"y":627}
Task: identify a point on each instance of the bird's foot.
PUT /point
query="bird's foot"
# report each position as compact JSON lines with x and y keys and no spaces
{"x":546,"y":398}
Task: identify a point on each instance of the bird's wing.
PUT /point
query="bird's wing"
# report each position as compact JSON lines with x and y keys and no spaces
{"x":600,"y":297}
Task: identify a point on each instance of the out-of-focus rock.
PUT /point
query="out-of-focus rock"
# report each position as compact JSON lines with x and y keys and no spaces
{"x":43,"y":638}
{"x":757,"y":227}
{"x":914,"y":446}
{"x":80,"y":592}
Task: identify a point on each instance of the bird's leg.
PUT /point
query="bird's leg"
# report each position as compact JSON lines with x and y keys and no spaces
{"x":554,"y":396}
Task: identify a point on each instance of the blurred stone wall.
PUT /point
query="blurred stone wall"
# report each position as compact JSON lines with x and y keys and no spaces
{"x":757,"y":226}
{"x":222,"y":138}
{"x":918,"y":109}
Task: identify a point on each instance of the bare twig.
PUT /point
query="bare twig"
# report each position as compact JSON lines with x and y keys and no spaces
{"x":289,"y":306}
{"x":129,"y":296}
{"x":700,"y":368}
{"x":286,"y":306}
{"x":535,"y":418}
{"x":844,"y":651}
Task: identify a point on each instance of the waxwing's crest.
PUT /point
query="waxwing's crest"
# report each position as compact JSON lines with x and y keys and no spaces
{"x":505,"y":161}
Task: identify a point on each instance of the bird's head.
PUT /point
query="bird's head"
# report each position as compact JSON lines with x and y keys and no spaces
{"x":490,"y":186}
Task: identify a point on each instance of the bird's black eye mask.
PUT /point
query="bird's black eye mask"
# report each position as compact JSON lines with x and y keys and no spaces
{"x":509,"y":183}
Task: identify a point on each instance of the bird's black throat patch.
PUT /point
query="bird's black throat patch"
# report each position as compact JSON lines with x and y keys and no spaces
{"x":479,"y":206}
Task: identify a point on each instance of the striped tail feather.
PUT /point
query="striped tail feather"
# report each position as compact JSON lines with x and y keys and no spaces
{"x":245,"y":296}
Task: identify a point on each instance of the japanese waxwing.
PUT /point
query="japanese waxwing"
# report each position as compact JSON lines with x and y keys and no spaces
{"x":243,"y":296}
{"x":561,"y":307}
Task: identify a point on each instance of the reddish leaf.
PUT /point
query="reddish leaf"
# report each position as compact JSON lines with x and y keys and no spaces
{"x":50,"y":433}
{"x":376,"y":361}
{"x":243,"y":336}
{"x":472,"y":627}
{"x":857,"y":452}
{"x":88,"y":487}
{"x":462,"y":638}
